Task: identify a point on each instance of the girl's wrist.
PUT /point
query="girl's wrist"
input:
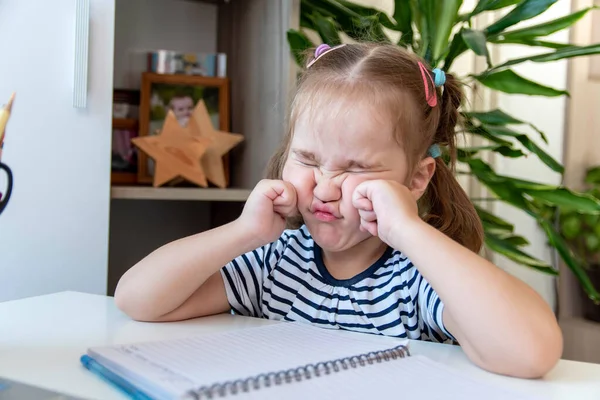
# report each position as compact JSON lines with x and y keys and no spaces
{"x":245,"y":237}
{"x":409,"y":233}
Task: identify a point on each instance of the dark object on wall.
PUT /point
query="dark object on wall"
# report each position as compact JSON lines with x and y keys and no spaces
{"x":4,"y":197}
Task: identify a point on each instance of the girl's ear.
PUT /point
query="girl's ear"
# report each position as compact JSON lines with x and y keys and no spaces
{"x":421,"y":177}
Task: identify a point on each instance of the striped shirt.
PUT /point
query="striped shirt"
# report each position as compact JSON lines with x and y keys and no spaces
{"x":287,"y":280}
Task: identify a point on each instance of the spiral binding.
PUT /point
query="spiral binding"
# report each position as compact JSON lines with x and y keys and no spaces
{"x":296,"y":374}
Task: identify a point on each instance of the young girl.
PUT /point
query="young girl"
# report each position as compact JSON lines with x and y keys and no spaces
{"x":384,"y":240}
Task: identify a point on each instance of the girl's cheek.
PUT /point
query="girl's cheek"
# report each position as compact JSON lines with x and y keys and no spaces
{"x":300,"y":177}
{"x":348,"y":186}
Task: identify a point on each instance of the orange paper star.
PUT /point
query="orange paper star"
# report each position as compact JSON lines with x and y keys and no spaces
{"x":221,"y":144}
{"x":176,"y":151}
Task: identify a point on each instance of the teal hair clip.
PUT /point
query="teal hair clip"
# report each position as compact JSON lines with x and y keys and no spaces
{"x":434,"y":151}
{"x":439,"y":77}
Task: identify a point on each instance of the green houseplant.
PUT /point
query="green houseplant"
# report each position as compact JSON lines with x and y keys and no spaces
{"x":582,"y":232}
{"x":438,"y":32}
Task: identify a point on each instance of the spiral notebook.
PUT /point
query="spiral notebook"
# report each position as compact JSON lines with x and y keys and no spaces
{"x":283,"y":361}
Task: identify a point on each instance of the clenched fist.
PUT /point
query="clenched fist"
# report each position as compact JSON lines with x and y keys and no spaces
{"x":266,"y":209}
{"x":385,"y":208}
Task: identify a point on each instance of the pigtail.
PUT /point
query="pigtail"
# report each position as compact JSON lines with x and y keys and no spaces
{"x":447,"y":206}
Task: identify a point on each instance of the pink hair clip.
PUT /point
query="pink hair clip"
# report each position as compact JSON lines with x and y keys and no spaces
{"x":321,"y":50}
{"x":430,"y":97}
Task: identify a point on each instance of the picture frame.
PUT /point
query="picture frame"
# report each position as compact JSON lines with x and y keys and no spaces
{"x":179,"y":93}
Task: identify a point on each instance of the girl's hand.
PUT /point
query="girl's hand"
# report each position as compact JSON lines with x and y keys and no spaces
{"x":270,"y":202}
{"x":386,"y":208}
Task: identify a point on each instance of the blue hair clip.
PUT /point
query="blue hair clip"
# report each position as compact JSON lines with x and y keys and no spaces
{"x":434,"y":151}
{"x":439,"y":77}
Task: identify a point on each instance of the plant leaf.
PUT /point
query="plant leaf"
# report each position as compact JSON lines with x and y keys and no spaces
{"x":490,"y":5}
{"x":480,"y":131}
{"x":556,"y":241}
{"x":499,"y":117}
{"x":403,"y":17}
{"x":592,"y":242}
{"x":593,"y":175}
{"x":510,"y":251}
{"x":299,"y":43}
{"x":476,"y":41}
{"x":500,"y":185}
{"x":565,"y":198}
{"x":570,"y":226}
{"x":494,"y":220}
{"x":515,"y":240}
{"x":509,"y":237}
{"x":350,"y":22}
{"x":494,"y":117}
{"x":419,"y":18}
{"x":327,"y":29}
{"x":543,"y":156}
{"x":498,"y":130}
{"x":308,"y":7}
{"x":506,"y":151}
{"x":442,"y":19}
{"x":382,"y":17}
{"x":457,"y":47}
{"x":509,"y":152}
{"x":545,"y":28}
{"x":565,"y":52}
{"x":523,"y":184}
{"x":525,"y":10}
{"x":508,"y":81}
{"x":532,"y":42}
{"x":332,"y":8}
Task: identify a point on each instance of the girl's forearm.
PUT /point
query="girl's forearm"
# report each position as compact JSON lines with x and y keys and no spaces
{"x":167,"y":277}
{"x":501,"y":322}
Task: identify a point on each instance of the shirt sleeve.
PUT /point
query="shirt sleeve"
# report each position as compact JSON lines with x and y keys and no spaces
{"x":243,"y":278}
{"x":431,"y":309}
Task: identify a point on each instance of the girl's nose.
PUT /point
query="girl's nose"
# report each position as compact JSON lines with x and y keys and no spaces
{"x":327,"y":188}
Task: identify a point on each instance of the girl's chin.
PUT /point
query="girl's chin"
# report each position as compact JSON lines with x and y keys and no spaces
{"x":336,"y":238}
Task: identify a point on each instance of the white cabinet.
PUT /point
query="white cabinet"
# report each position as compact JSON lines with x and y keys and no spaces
{"x":54,"y":231}
{"x":261,"y":74}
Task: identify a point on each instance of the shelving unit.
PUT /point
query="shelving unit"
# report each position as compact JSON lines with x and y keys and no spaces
{"x":179,"y":194}
{"x":124,"y":178}
{"x":261,"y":72}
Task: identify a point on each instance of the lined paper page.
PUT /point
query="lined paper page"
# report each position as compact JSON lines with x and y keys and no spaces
{"x":415,"y":377}
{"x":181,"y":364}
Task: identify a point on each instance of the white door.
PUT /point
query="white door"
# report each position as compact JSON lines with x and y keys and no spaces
{"x":54,"y":231}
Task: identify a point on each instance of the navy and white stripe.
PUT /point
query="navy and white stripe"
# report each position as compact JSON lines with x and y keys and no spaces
{"x":287,"y":280}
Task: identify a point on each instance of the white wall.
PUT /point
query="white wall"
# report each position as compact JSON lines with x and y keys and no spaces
{"x":54,"y":232}
{"x":548,"y":114}
{"x":146,"y":25}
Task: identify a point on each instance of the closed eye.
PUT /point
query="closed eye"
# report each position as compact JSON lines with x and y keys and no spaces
{"x":367,"y":170}
{"x":307,"y":163}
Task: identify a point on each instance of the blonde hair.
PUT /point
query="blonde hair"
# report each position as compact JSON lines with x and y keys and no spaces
{"x":389,"y":77}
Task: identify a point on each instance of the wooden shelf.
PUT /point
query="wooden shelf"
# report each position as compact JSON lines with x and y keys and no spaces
{"x":125,"y":123}
{"x":209,"y":1}
{"x":169,"y":193}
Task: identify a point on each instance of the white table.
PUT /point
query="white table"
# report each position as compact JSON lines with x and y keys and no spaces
{"x":42,"y":338}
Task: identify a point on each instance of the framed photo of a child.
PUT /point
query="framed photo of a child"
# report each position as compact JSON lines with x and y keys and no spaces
{"x":161,"y":93}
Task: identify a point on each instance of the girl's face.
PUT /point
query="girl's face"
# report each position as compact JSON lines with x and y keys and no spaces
{"x":182,"y":108}
{"x":332,"y":151}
